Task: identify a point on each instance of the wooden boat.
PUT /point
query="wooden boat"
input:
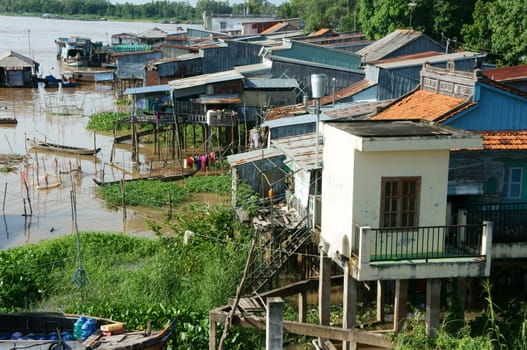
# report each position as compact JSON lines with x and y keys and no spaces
{"x":55,"y":331}
{"x":166,"y":178}
{"x":8,"y":121}
{"x":53,"y":147}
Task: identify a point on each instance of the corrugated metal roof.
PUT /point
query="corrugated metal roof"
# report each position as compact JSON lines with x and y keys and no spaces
{"x":262,"y":83}
{"x":301,"y":149}
{"x":205,"y":79}
{"x":420,"y":104}
{"x":399,"y":62}
{"x":275,"y":28}
{"x":145,"y":90}
{"x":286,"y":111}
{"x":14,"y":59}
{"x":219,"y":99}
{"x":386,"y":45}
{"x":399,"y":128}
{"x":257,"y":68}
{"x":507,"y":73}
{"x":407,"y":57}
{"x":349,"y":91}
{"x":154,"y":33}
{"x":360,"y":109}
{"x":253,"y":156}
{"x":295,"y":120}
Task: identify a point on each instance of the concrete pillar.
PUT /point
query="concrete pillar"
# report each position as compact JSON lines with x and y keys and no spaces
{"x":381,"y":300}
{"x":433,"y":296}
{"x":350,"y":295}
{"x":400,"y":310}
{"x":324,"y":291}
{"x":274,"y":324}
{"x":302,"y":307}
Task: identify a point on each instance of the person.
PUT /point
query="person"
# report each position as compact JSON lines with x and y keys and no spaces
{"x":203,"y":162}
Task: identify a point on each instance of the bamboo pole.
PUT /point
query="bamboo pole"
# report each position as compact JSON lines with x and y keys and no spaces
{"x":5,"y":194}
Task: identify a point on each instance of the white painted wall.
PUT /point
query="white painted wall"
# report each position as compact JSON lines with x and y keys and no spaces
{"x":352,"y":184}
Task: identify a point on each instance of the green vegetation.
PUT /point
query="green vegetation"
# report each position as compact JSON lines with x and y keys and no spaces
{"x":150,"y":193}
{"x":156,"y":193}
{"x":106,"y":121}
{"x":133,"y":279}
{"x":496,"y":328}
{"x":496,"y":27}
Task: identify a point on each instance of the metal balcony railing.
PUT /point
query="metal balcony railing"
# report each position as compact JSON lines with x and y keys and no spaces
{"x":510,"y":220}
{"x":424,"y":242}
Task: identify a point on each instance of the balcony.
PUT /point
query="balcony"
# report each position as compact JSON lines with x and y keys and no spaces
{"x":421,"y":252}
{"x":509,"y":238}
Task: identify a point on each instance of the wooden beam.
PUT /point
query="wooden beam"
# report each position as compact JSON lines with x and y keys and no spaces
{"x":308,"y":329}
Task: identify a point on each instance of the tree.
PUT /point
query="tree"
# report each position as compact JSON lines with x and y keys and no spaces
{"x":500,"y":28}
{"x":380,"y":17}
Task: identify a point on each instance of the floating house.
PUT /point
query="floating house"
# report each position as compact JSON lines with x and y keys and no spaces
{"x":17,"y":70}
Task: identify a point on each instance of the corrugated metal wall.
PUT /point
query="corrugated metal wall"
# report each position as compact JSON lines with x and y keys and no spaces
{"x":496,"y":110}
{"x":132,"y":66}
{"x":421,"y":44}
{"x":302,"y":73}
{"x":250,"y":172}
{"x":392,"y":85}
{"x":321,"y":55}
{"x":180,"y":69}
{"x":221,"y":59}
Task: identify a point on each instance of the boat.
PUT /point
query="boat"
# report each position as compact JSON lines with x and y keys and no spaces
{"x":8,"y":121}
{"x":165,"y":178}
{"x":58,"y":331}
{"x":53,"y":147}
{"x":96,"y":76}
{"x":50,"y":81}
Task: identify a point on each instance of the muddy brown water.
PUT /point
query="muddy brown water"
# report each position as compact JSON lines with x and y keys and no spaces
{"x":60,"y":116}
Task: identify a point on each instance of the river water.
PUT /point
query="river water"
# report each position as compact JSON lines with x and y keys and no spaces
{"x":51,"y":209}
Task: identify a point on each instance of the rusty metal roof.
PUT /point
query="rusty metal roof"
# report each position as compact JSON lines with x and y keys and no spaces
{"x":298,"y":109}
{"x":252,"y":156}
{"x":301,"y":149}
{"x":354,"y":110}
{"x":507,"y":73}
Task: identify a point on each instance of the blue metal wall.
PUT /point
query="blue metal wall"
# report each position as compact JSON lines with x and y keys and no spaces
{"x":497,"y":109}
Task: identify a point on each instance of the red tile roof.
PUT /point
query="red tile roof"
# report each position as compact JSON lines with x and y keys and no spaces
{"x":420,"y":104}
{"x":505,"y":140}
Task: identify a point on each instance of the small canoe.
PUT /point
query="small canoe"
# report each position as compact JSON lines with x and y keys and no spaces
{"x":53,"y":147}
{"x":164,"y":178}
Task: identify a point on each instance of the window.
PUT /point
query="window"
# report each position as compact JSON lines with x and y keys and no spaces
{"x":400,"y":202}
{"x":513,"y":183}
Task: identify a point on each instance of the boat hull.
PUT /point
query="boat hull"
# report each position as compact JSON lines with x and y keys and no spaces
{"x":53,"y":147}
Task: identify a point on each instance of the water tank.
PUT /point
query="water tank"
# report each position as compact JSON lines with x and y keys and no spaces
{"x":318,"y":85}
